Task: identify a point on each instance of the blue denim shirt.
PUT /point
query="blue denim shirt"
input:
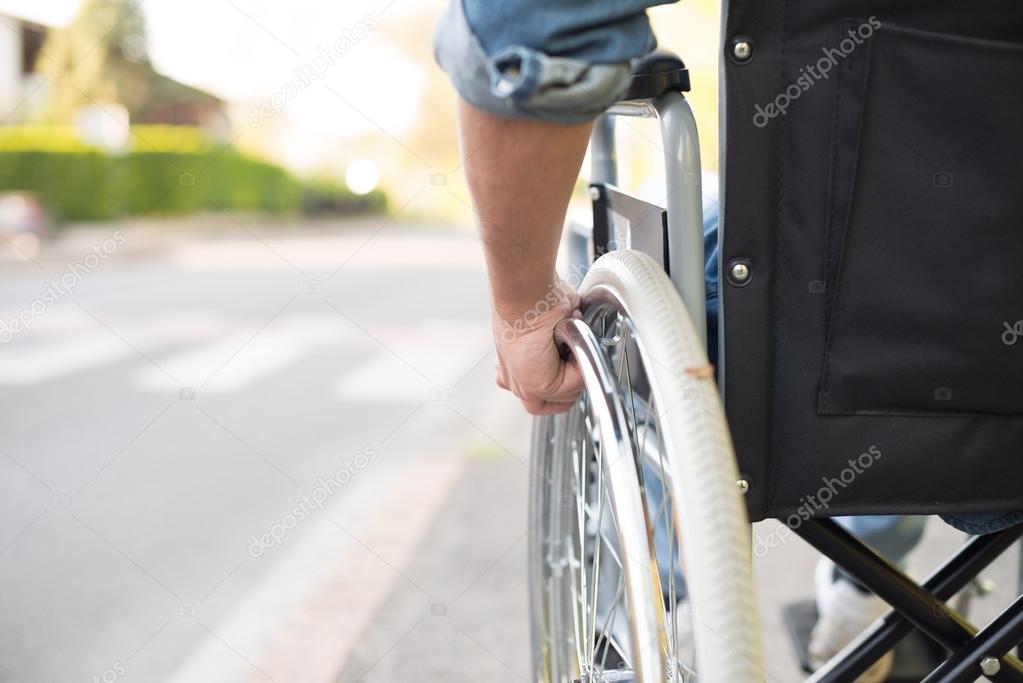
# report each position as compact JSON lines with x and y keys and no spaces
{"x":555,"y":60}
{"x":567,"y":61}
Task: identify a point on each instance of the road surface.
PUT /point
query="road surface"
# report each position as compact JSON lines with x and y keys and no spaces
{"x":270,"y":454}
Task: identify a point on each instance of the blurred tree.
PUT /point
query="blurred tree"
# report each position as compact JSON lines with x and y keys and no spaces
{"x":102,"y":58}
{"x":433,"y":138}
{"x":689,"y":28}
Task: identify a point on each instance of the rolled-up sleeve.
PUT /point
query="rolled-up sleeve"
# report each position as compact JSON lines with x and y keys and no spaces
{"x":556,"y":60}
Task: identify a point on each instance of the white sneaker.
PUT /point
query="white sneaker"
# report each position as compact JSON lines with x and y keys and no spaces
{"x":843,"y":612}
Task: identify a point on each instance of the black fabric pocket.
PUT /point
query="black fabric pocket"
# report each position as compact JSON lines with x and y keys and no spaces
{"x":925,"y":233}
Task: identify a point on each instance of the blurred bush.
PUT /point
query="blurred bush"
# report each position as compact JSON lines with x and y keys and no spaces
{"x":327,"y":197}
{"x":167,"y":170}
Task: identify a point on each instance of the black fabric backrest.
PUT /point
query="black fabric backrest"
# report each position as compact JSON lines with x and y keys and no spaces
{"x":874,"y":180}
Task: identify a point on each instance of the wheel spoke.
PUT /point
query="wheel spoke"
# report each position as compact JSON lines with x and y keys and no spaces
{"x":609,"y":547}
{"x":578,"y":587}
{"x":646,"y":424}
{"x":619,"y":594}
{"x":672,"y":594}
{"x":596,"y":553}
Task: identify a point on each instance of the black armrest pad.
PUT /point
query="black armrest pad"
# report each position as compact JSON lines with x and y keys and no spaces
{"x":659,"y":72}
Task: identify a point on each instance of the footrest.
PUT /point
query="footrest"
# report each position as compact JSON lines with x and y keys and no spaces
{"x":915,"y":657}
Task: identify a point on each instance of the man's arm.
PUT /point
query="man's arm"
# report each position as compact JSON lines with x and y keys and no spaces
{"x":521,"y":174}
{"x":532,"y":75}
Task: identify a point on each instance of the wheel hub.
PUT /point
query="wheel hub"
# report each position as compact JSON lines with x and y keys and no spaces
{"x":613,"y":676}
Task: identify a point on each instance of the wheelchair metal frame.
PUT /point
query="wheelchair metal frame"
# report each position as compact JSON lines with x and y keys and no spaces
{"x":679,"y":247}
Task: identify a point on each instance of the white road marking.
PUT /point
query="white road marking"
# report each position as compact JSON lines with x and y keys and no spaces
{"x":443,"y":251}
{"x":34,"y":365}
{"x":301,"y":622}
{"x":54,"y":322}
{"x":27,"y":363}
{"x":234,"y":362}
{"x":319,"y":636}
{"x":429,"y":359}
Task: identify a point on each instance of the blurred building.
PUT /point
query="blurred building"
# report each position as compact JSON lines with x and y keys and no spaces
{"x":23,"y":90}
{"x":174,"y":103}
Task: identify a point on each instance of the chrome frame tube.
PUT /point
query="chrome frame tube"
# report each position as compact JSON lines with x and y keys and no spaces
{"x":684,"y":202}
{"x":603,"y":156}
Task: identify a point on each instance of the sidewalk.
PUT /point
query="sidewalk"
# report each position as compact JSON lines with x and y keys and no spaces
{"x":145,"y":236}
{"x":461,"y":615}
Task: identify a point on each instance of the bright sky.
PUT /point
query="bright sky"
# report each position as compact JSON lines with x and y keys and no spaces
{"x":247,"y":50}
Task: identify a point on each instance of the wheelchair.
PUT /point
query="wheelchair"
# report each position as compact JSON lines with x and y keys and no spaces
{"x":639,"y":547}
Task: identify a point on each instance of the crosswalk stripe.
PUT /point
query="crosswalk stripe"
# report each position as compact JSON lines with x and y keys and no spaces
{"x":235,"y":362}
{"x":26,"y":362}
{"x":410,"y":363}
{"x":33,"y":365}
{"x":357,"y":251}
{"x":429,"y":359}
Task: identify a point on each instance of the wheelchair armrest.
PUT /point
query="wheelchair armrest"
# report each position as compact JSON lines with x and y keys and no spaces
{"x":659,"y":72}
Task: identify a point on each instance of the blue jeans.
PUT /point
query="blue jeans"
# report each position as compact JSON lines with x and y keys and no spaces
{"x":554,"y":60}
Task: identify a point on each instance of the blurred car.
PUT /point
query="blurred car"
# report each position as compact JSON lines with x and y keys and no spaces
{"x":23,"y":224}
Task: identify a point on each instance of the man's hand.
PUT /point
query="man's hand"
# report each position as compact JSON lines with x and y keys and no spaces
{"x":528,"y":362}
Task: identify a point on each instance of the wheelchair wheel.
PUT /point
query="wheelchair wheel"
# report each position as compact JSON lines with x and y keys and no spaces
{"x":640,"y":566}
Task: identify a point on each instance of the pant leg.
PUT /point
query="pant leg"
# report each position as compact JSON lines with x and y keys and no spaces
{"x":979,"y":523}
{"x":894,"y":536}
{"x":710,"y":256}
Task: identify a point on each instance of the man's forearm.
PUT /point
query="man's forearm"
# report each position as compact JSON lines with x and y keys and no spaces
{"x":521,"y":175}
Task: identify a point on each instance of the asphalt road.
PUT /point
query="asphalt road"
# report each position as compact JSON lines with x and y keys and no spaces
{"x":273,"y":454}
{"x":195,"y":436}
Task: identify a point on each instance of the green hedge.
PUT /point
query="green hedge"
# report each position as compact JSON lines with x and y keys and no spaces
{"x":167,"y":171}
{"x":326,"y":197}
